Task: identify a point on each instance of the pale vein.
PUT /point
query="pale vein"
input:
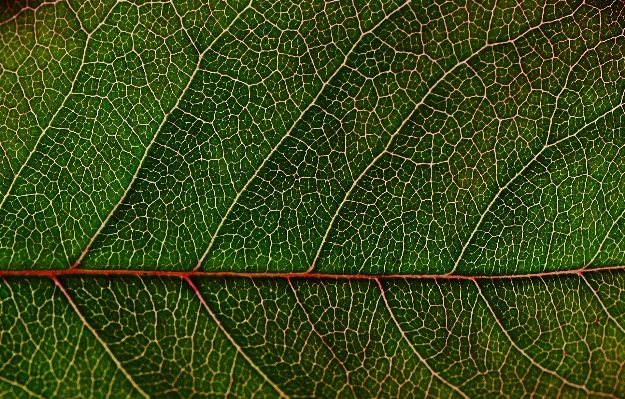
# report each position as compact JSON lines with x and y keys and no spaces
{"x":232,"y":341}
{"x":403,"y":334}
{"x":69,"y":93}
{"x":98,"y":338}
{"x":154,"y":137}
{"x":288,"y":134}
{"x":528,"y":357}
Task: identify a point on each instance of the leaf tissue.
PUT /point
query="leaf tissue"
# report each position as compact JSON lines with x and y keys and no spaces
{"x":285,"y":198}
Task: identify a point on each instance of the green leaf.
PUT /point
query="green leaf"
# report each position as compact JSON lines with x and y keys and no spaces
{"x":305,"y":199}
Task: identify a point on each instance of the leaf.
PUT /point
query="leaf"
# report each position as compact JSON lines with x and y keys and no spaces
{"x":308,"y":199}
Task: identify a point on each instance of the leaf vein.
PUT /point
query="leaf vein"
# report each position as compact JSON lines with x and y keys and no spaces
{"x":323,"y":341}
{"x":231,"y":339}
{"x":288,"y":134}
{"x":398,"y":130}
{"x":602,"y":304}
{"x":22,"y":387}
{"x":98,"y":338}
{"x":154,"y":137}
{"x":403,"y":334}
{"x":528,"y":357}
{"x":45,"y":129}
{"x":534,"y":159}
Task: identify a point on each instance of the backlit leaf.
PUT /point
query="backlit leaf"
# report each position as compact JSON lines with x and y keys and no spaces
{"x":354,"y":199}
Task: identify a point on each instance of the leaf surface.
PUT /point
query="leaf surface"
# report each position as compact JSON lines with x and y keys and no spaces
{"x":280,"y":199}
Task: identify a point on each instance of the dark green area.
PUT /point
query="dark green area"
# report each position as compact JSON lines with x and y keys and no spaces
{"x":313,"y":338}
{"x":348,"y":137}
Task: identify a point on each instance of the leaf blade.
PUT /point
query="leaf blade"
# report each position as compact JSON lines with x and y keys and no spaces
{"x":314,"y":199}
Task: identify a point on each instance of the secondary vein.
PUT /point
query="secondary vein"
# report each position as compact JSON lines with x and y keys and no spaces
{"x":528,"y":357}
{"x":69,"y":93}
{"x":403,"y":334}
{"x":149,"y":146}
{"x":232,"y":341}
{"x":288,"y":134}
{"x":98,"y":338}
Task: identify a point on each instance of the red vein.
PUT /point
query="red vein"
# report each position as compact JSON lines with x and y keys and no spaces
{"x":288,"y":275}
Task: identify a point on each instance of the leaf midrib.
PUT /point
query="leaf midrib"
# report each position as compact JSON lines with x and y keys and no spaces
{"x":304,"y":275}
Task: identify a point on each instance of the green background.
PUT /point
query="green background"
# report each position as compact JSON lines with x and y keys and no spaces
{"x":477,"y":139}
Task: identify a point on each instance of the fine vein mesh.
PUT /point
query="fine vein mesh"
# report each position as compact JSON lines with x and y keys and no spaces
{"x":252,"y":85}
{"x":136,"y":63}
{"x":386,"y":137}
{"x":450,"y":338}
{"x":46,"y":350}
{"x":163,"y":337}
{"x":339,"y":138}
{"x":42,"y":50}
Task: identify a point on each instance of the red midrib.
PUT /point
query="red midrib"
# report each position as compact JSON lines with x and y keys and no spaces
{"x":188,"y":274}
